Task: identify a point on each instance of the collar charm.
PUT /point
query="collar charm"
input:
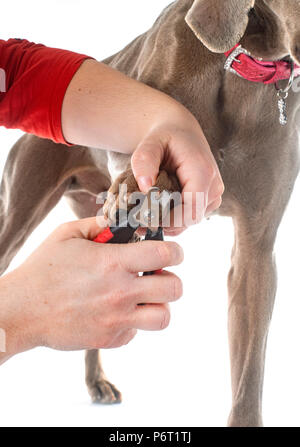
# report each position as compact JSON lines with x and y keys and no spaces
{"x":282,"y":97}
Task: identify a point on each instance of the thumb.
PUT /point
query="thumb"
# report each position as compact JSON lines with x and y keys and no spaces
{"x":146,"y":161}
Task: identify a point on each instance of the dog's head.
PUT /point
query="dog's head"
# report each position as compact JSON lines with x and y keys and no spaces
{"x":267,"y":28}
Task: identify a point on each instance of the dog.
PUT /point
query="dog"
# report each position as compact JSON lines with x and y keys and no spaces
{"x":257,"y":157}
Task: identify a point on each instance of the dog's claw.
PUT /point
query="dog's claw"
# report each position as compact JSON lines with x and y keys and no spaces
{"x":103,"y":392}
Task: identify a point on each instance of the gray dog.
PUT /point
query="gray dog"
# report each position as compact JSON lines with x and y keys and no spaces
{"x":183,"y":55}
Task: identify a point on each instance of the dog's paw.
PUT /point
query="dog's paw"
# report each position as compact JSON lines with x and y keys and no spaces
{"x":104,"y":392}
{"x":122,"y":188}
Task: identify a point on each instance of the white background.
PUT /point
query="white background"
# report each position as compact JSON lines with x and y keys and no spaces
{"x":179,"y":377}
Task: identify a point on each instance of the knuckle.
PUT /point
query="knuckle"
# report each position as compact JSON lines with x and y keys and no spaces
{"x":218,"y":203}
{"x":112,"y":324}
{"x":177,"y":288}
{"x":165,"y":319}
{"x":220,"y":189}
{"x":106,"y":342}
{"x":214,"y":206}
{"x":164,"y":252}
{"x":170,"y":253}
{"x":177,"y":252}
{"x":109,"y":260}
{"x":120,"y":303}
{"x":211,"y":171}
{"x":139,"y":157}
{"x":64,"y":227}
{"x":129,"y":336}
{"x":124,"y":339}
{"x":115,"y":298}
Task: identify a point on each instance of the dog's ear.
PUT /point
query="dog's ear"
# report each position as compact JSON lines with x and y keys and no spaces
{"x":219,"y":24}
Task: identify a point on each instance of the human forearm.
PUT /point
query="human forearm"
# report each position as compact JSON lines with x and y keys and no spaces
{"x":104,"y":108}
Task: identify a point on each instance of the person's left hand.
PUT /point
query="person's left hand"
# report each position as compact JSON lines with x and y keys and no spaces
{"x":184,"y":151}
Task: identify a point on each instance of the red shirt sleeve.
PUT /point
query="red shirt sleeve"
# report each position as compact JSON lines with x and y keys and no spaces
{"x":33,"y":82}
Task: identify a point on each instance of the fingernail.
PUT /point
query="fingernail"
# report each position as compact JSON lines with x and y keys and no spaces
{"x":145,"y":183}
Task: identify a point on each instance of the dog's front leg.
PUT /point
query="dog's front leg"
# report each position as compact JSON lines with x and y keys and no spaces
{"x":252,"y":288}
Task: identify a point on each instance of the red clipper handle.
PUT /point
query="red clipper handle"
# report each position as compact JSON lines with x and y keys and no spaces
{"x":104,"y":237}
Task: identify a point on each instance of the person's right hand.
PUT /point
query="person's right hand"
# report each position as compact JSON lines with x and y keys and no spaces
{"x":72,"y":293}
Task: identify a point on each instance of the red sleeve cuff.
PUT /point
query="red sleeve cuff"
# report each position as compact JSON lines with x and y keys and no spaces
{"x":59,"y":90}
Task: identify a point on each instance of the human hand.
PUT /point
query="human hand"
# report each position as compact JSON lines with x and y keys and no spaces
{"x":72,"y":293}
{"x":180,"y":147}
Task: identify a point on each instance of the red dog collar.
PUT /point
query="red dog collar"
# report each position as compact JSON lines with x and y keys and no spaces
{"x":241,"y":63}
